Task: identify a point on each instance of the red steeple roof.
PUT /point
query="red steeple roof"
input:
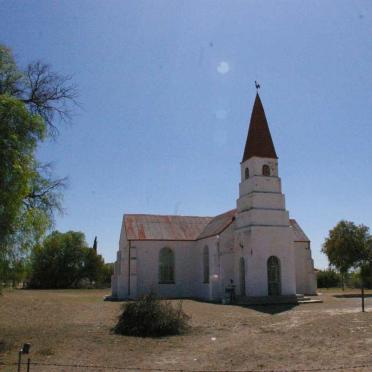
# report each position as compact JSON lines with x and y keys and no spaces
{"x":259,"y":142}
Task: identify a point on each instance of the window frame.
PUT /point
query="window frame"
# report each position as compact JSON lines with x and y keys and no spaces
{"x":166,"y":266}
{"x":206,"y":268}
{"x":266,"y":171}
{"x":274,"y":275}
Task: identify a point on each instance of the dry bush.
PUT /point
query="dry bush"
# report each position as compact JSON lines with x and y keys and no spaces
{"x":150,"y":317}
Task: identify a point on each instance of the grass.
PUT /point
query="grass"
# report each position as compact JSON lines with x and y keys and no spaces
{"x":74,"y":327}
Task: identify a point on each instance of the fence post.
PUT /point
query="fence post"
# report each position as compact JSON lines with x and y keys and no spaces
{"x":19,"y":360}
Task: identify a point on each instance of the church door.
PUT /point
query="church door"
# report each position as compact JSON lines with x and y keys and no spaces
{"x":273,"y":276}
{"x":242,"y":276}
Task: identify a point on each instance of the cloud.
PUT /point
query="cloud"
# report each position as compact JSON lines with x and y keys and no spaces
{"x":223,"y":67}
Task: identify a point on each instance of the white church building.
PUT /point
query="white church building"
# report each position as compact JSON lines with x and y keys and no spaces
{"x":255,"y":246}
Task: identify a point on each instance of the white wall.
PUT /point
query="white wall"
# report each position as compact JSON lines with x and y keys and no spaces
{"x":259,"y":243}
{"x":207,"y":291}
{"x":262,"y":228}
{"x":148,"y":268}
{"x":255,"y":166}
{"x":119,"y":280}
{"x":189,"y":270}
{"x":305,"y":274}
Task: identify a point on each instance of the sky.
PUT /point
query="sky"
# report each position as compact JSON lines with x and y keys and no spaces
{"x":166,"y":90}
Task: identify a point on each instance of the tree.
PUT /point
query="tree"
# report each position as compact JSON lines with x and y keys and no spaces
{"x":350,"y":245}
{"x":44,"y":92}
{"x":327,"y":278}
{"x":95,"y":244}
{"x":107,"y":272}
{"x":64,"y":260}
{"x":93,"y":266}
{"x":59,"y":261}
{"x":345,"y":246}
{"x":32,"y":102}
{"x":20,"y":132}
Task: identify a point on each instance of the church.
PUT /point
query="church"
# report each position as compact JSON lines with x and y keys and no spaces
{"x":254,"y":247}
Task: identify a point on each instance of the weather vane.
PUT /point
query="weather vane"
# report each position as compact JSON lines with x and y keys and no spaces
{"x":258,"y":86}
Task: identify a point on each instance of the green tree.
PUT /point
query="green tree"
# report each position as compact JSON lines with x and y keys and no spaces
{"x":95,"y":244}
{"x":107,"y":272}
{"x":64,"y":260}
{"x":59,"y":261}
{"x":20,"y":132}
{"x":93,"y":266}
{"x":32,"y":102}
{"x":328,"y":278}
{"x":346,"y":246}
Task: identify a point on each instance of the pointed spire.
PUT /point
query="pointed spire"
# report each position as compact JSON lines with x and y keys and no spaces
{"x":259,"y":142}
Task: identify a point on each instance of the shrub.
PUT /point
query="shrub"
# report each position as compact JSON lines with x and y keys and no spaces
{"x":150,"y":317}
{"x":356,"y":280}
{"x":328,"y":278}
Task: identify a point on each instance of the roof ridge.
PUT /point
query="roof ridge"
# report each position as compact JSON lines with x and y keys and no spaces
{"x":164,"y":215}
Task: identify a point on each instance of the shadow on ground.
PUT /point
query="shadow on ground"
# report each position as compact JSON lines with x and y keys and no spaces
{"x":351,"y":295}
{"x":267,"y":309}
{"x":270,"y":309}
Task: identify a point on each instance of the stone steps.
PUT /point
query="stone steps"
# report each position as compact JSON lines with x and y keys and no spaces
{"x":302,"y":299}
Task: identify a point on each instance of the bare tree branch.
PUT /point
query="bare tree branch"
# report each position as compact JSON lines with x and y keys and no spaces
{"x":49,"y":95}
{"x":45,"y":192}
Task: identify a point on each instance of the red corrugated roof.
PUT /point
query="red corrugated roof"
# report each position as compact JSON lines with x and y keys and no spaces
{"x":156,"y":227}
{"x":299,"y":234}
{"x":218,"y":224}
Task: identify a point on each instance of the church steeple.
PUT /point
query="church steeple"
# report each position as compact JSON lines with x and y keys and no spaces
{"x":259,"y":142}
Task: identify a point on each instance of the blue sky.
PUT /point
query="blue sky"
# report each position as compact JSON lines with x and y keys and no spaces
{"x":167,"y":88}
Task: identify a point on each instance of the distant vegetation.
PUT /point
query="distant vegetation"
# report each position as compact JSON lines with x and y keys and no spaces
{"x":332,"y":279}
{"x":150,"y":317}
{"x":328,"y":278}
{"x":348,"y":248}
{"x":64,"y":260}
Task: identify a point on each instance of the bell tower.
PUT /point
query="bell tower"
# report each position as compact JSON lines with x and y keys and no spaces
{"x":262,"y":228}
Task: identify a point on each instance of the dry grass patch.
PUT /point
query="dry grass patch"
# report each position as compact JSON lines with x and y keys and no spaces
{"x":74,"y":326}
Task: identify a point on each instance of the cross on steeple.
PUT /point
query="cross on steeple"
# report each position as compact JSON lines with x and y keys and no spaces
{"x":258,"y":86}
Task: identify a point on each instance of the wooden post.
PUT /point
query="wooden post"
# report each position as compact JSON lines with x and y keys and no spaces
{"x":363,"y":297}
{"x":19,"y":360}
{"x":28,"y":364}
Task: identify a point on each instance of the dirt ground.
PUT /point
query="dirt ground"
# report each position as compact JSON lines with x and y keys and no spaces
{"x":72,"y":327}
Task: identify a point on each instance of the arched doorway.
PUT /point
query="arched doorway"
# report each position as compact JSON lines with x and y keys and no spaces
{"x":242,"y":276}
{"x":273,"y":276}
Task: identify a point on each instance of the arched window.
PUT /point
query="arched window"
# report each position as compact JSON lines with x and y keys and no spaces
{"x":266,"y":170}
{"x":246,"y":173}
{"x":166,"y":266}
{"x":273,"y":276}
{"x":206,"y":264}
{"x":242,"y":276}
